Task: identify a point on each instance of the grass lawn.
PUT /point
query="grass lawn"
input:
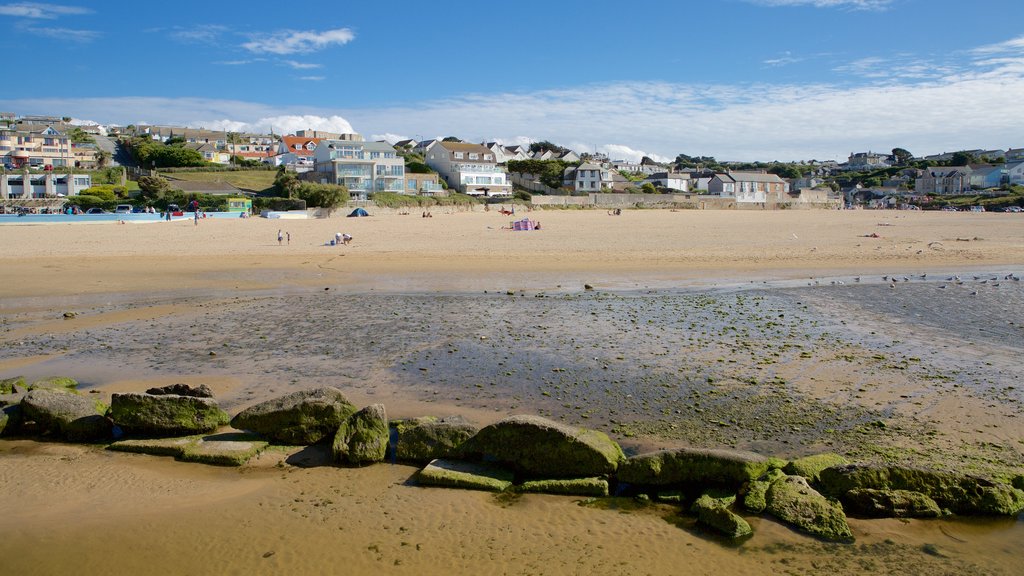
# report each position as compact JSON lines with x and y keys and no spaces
{"x":251,"y":180}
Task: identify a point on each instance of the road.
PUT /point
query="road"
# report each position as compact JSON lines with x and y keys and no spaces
{"x":118,"y":155}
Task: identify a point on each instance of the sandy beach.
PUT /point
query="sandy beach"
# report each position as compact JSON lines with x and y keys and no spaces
{"x":696,"y":318}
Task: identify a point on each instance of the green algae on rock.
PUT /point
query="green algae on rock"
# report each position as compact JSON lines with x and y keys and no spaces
{"x":810,"y":467}
{"x":12,"y":385}
{"x":363,"y":437}
{"x":427,"y":438}
{"x":167,"y":415}
{"x":793,"y":501}
{"x":299,"y":418}
{"x":543,"y":448}
{"x":571,"y":486}
{"x":890,"y":504}
{"x":958,"y":493}
{"x":714,"y":512}
{"x":62,"y":412}
{"x":468,"y":475}
{"x":230,"y":449}
{"x":55,"y":383}
{"x":693,"y":465}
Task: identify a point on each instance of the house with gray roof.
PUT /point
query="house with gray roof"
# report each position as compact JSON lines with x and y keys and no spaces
{"x":748,"y":186}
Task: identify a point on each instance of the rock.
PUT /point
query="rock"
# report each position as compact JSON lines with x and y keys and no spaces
{"x":11,"y":399}
{"x":958,"y":493}
{"x":55,"y":383}
{"x":12,"y":385}
{"x":793,"y":501}
{"x":686,"y":465}
{"x":542,"y":448}
{"x":166,"y":415}
{"x":715,"y":513}
{"x":202,"y":391}
{"x":469,"y":475}
{"x":303,"y":417}
{"x":890,"y":504}
{"x":75,"y":418}
{"x":231,"y":449}
{"x":670,"y":496}
{"x":573,"y":486}
{"x":754,"y":493}
{"x":810,"y":467}
{"x":363,"y":437}
{"x":10,"y":419}
{"x":426,"y":439}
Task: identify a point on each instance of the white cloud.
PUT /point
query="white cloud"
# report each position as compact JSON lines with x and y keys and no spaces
{"x":621,"y":152}
{"x":40,"y":11}
{"x":850,"y":4}
{"x":389,"y":137}
{"x":285,"y":124}
{"x":202,"y":33}
{"x":66,"y":34}
{"x":312,"y":78}
{"x":298,"y":42}
{"x":1014,"y":45}
{"x":301,"y":65}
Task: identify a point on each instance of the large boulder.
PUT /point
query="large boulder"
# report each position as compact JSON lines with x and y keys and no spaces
{"x":539,"y":447}
{"x":890,"y":504}
{"x":166,"y":415}
{"x":693,"y":465}
{"x":75,"y":418}
{"x":714,"y":512}
{"x":363,"y":437}
{"x":299,"y":418}
{"x":426,"y":439}
{"x":54,"y":383}
{"x":756,"y":491}
{"x":793,"y":501}
{"x":955,"y":492}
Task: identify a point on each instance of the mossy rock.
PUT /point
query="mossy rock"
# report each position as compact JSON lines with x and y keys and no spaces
{"x":10,"y":419}
{"x":890,"y":504}
{"x":167,"y":415}
{"x":229,"y":449}
{"x":670,"y":496}
{"x":468,"y":475}
{"x":55,"y":383}
{"x":424,"y":439}
{"x":12,"y":385}
{"x":755,"y":491}
{"x":810,"y":467}
{"x":715,"y":513}
{"x":693,"y":465}
{"x":299,"y":418}
{"x":792,"y":500}
{"x":60,"y":412}
{"x":363,"y":437}
{"x":571,"y":486}
{"x":538,"y":447}
{"x":958,"y":493}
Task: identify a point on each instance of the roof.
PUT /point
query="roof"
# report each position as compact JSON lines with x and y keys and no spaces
{"x":297,"y":144}
{"x":464,"y":147}
{"x":753,"y":177}
{"x":588,"y":166}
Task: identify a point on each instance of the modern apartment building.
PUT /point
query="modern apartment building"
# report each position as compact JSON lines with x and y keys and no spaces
{"x":362,"y":167}
{"x":36,"y":149}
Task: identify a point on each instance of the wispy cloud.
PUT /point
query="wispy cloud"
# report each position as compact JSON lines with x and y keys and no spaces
{"x":298,"y":42}
{"x":235,"y":62}
{"x":1014,"y":45}
{"x":40,"y":11}
{"x":785,"y":59}
{"x":199,"y":34}
{"x":313,"y":78}
{"x":847,"y":4}
{"x":66,"y":34}
{"x":301,"y":65}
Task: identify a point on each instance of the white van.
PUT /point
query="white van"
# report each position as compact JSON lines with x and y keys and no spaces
{"x":123,"y":209}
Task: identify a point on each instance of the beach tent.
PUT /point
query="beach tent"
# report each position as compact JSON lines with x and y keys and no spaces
{"x":358,"y":212}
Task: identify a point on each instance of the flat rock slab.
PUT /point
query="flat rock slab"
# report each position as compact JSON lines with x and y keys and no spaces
{"x":572,"y":487}
{"x":231,"y":449}
{"x":468,"y":475}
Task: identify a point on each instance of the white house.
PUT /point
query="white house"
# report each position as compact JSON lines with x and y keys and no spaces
{"x":1015,"y":173}
{"x":748,"y":186}
{"x":362,"y":167}
{"x":469,"y":168}
{"x":671,"y":180}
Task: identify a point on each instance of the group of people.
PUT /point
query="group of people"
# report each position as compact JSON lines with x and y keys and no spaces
{"x":281,"y":236}
{"x":340,"y":238}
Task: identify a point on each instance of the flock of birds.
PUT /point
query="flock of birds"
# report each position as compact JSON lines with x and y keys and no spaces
{"x":893,"y":280}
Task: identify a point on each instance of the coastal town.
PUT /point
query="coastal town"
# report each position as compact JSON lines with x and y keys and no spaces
{"x":56,"y":165}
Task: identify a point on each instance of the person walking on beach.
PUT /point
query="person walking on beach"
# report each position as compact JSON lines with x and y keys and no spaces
{"x":288,"y":236}
{"x":280,"y":236}
{"x":196,"y":221}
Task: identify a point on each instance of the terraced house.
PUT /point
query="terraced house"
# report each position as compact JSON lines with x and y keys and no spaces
{"x":469,"y":168}
{"x":362,"y":167}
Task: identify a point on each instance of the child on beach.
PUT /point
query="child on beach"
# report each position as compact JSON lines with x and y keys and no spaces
{"x":280,"y":236}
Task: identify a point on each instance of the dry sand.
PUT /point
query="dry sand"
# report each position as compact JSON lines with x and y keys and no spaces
{"x":72,"y":508}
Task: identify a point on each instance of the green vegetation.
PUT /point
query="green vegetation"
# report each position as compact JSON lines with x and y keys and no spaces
{"x":150,"y":153}
{"x":258,"y":181}
{"x":550,"y":172}
{"x":395,"y":200}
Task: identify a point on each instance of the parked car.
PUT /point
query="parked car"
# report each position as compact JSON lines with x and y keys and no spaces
{"x":96,"y":211}
{"x":977,"y":208}
{"x":123,"y":209}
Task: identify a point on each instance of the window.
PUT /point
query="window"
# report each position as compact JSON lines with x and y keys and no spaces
{"x":458,"y":155}
{"x":474,"y":156}
{"x":488,"y":157}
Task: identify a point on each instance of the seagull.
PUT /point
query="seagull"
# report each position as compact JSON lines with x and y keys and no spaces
{"x":925,"y":275}
{"x":892,"y":285}
{"x":885,"y":278}
{"x":975,"y":293}
{"x":857,"y":279}
{"x":994,"y":284}
{"x":905,"y":279}
{"x":943,"y":287}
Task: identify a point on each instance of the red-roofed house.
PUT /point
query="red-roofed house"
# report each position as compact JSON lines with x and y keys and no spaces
{"x":297,"y":151}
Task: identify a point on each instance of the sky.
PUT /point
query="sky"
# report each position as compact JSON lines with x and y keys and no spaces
{"x":739,"y":80}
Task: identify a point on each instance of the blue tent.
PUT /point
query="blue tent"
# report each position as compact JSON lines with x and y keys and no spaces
{"x":358,"y":212}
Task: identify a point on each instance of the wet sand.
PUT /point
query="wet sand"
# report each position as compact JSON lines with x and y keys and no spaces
{"x":752,"y":333}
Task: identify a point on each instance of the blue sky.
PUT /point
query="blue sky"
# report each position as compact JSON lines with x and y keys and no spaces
{"x":735,"y":79}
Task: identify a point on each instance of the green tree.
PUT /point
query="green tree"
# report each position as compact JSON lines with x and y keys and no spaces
{"x":901,"y":156}
{"x":545,"y":146}
{"x":327,"y":196}
{"x":648,"y":188}
{"x":102,"y":158}
{"x":451,"y":139}
{"x":79,"y":136}
{"x":153,"y":187}
{"x":789,"y":171}
{"x":286,"y":183}
{"x":963,"y":159}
